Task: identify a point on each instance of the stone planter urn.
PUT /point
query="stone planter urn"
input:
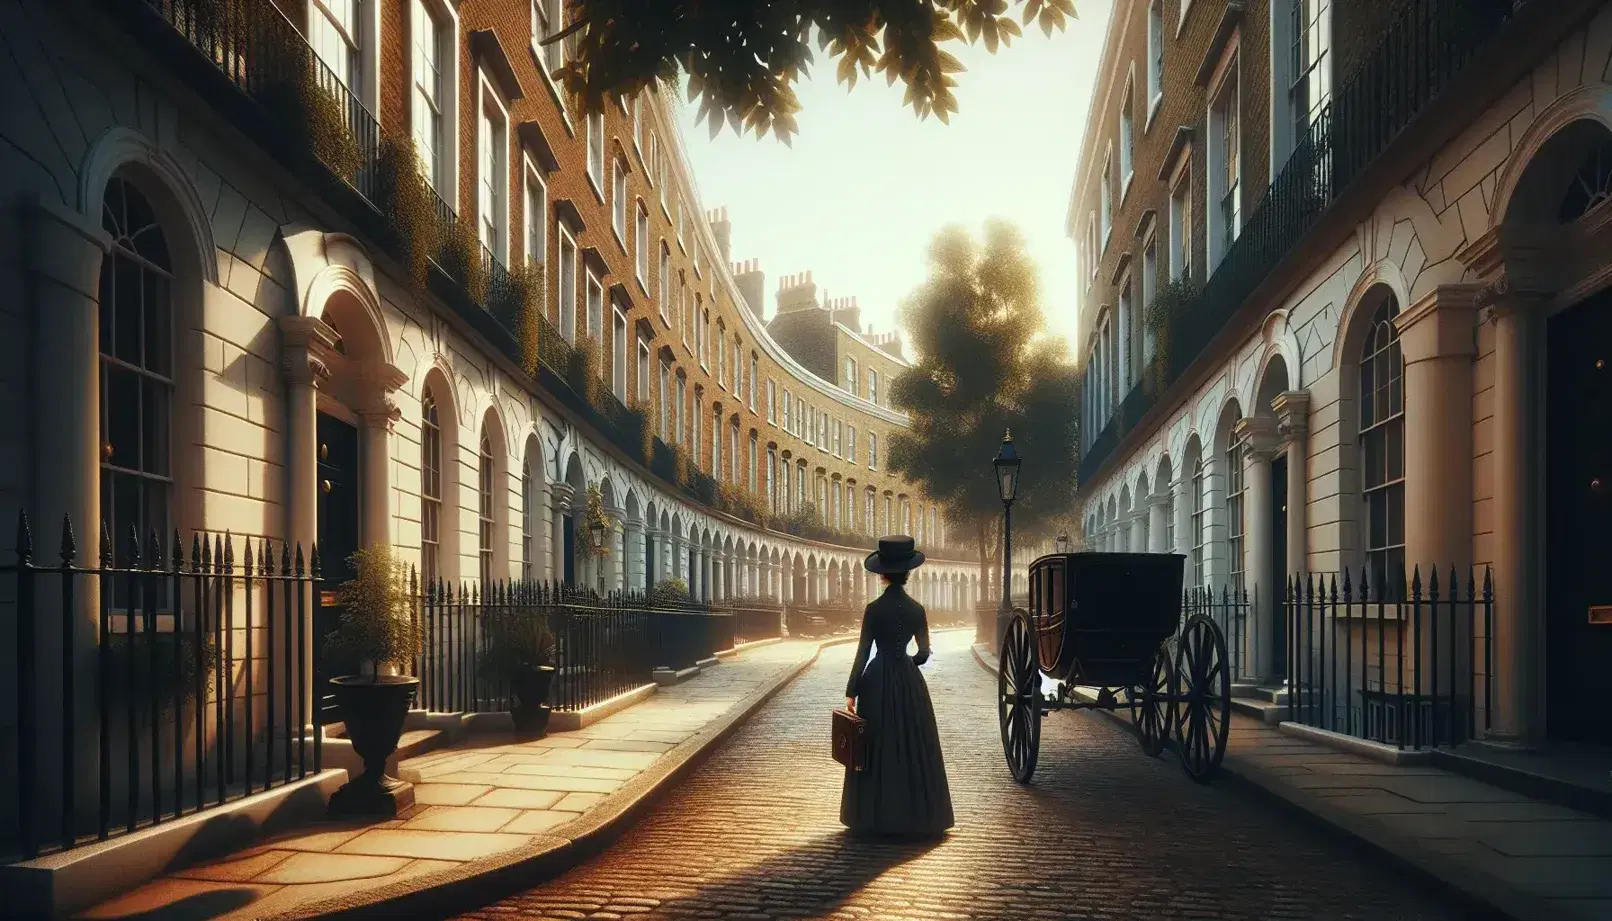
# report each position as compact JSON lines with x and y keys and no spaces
{"x":374,"y":709}
{"x":532,"y":711}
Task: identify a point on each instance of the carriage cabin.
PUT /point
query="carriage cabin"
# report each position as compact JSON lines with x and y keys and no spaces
{"x":1099,"y":616}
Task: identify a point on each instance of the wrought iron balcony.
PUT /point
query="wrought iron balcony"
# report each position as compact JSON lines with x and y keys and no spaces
{"x":1420,"y":54}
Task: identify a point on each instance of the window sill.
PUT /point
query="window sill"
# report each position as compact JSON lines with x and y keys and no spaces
{"x":1125,"y":186}
{"x":1152,"y":112}
{"x":593,"y":185}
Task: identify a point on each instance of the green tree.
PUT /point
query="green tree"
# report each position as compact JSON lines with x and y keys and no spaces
{"x":743,"y":57}
{"x":983,"y":368}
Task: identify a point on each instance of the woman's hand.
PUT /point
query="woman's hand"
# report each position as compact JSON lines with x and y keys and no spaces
{"x":921,"y":657}
{"x":850,"y":705}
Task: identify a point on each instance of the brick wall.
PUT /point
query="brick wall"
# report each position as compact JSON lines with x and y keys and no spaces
{"x":1183,"y":102}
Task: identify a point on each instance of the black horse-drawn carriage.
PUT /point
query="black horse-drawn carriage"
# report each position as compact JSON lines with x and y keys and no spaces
{"x":1113,"y":622}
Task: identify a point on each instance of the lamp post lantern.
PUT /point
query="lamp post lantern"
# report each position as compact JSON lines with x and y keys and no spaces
{"x":596,"y":537}
{"x":1061,"y":544}
{"x":1007,"y":483}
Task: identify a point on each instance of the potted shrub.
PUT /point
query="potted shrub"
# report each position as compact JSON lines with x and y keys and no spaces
{"x":520,"y":651}
{"x":377,"y":629}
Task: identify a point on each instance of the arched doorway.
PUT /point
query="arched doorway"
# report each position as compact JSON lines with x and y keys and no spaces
{"x":1565,"y":193}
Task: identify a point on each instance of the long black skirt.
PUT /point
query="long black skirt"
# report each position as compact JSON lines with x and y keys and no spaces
{"x":902,"y":790}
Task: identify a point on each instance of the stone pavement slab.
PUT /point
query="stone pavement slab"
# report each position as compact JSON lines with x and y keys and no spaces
{"x":489,"y":797}
{"x":1527,"y":858}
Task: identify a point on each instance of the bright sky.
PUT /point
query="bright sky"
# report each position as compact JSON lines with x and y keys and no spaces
{"x":866,"y":184}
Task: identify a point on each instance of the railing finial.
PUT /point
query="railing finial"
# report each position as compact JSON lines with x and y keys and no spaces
{"x":69,"y":548}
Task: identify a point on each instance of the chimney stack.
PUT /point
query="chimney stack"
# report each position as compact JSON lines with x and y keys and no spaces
{"x":797,"y":292}
{"x":722,"y":230}
{"x":752,"y":284}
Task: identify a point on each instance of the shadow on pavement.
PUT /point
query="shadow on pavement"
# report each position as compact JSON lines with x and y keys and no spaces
{"x":198,"y":906}
{"x":813,"y":877}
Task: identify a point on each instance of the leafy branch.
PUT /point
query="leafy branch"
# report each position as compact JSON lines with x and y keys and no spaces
{"x":743,"y":58}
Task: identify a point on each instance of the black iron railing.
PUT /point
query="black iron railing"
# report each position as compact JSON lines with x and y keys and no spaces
{"x":1409,"y":666}
{"x":263,"y":53}
{"x":1230,"y":610}
{"x":603,"y":645}
{"x":756,"y":619}
{"x":153,"y":680}
{"x":1419,"y":55}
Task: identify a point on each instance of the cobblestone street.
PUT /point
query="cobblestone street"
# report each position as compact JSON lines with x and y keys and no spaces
{"x":1104,"y":832}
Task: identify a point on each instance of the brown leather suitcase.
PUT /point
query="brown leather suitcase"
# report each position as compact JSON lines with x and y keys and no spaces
{"x":850,"y":740}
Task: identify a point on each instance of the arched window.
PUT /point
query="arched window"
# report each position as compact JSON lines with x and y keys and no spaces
{"x":1591,"y":185}
{"x":1382,"y":444}
{"x":430,"y":490}
{"x":136,"y":370}
{"x":772,"y":481}
{"x":484,"y":507}
{"x":1199,"y":532}
{"x":753,"y":449}
{"x":1234,"y":516}
{"x":783,"y":485}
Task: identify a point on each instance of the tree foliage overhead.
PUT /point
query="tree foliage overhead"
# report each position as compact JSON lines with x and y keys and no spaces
{"x":744,"y":57}
{"x":982,"y":369}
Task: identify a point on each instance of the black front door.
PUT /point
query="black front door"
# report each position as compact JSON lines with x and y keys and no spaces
{"x":569,"y":576}
{"x":1278,"y":616}
{"x":1578,"y":522}
{"x":338,"y":540}
{"x":650,"y":576}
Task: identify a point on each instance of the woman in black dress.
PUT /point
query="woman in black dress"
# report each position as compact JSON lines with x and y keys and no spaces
{"x":902,"y":788}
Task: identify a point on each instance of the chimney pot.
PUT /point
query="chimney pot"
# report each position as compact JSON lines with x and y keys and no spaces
{"x":808,"y":274}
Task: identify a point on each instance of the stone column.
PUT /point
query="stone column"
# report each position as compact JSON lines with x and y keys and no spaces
{"x":559,"y":504}
{"x":1138,"y":528}
{"x":375,"y":500}
{"x":1181,"y":493}
{"x":1158,"y":510}
{"x":65,"y":251}
{"x":1518,"y":621}
{"x":1292,"y":429}
{"x":1519,"y":281}
{"x":1437,"y":342}
{"x":302,"y":339}
{"x":1258,"y":434}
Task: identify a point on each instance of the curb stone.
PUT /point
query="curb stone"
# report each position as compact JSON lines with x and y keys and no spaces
{"x":1485,"y":896}
{"x":477,"y":882}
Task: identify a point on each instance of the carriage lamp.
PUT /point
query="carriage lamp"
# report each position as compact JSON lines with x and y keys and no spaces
{"x":596,"y":534}
{"x":1061,"y":544}
{"x":1007,"y":469}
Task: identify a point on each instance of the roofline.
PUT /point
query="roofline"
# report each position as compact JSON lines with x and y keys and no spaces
{"x":1100,"y":92}
{"x":758,"y":329}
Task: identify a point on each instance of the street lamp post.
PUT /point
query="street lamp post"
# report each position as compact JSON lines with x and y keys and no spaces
{"x":1007,"y":483}
{"x":596,"y":535}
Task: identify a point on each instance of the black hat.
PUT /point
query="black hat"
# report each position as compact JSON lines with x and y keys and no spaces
{"x":895,"y":554}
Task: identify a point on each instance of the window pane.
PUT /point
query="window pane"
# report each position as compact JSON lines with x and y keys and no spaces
{"x":122,"y":416}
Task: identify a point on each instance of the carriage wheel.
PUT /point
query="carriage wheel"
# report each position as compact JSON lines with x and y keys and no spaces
{"x":1153,"y":706}
{"x":1203,"y":688}
{"x":1018,"y":698}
